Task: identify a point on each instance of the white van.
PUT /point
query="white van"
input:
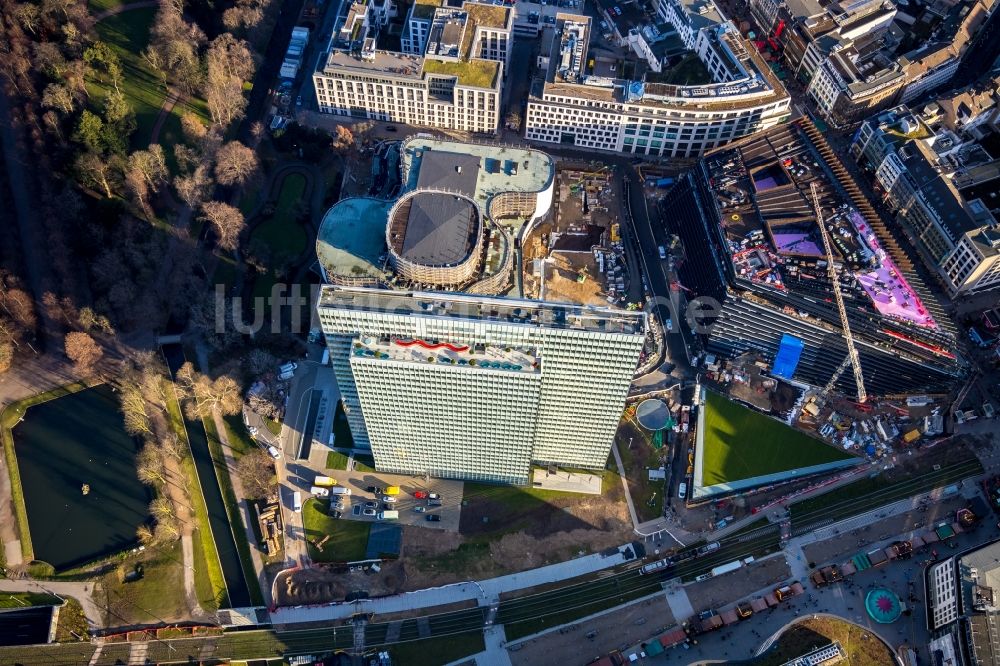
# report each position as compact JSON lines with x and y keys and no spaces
{"x":297,"y":501}
{"x":288,"y":367}
{"x":682,"y":490}
{"x":319,"y":491}
{"x":340,"y":490}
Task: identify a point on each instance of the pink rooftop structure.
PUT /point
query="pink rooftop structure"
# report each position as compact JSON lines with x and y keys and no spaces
{"x":889,"y":291}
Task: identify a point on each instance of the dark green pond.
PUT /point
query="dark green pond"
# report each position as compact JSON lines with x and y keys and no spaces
{"x":63,"y":444}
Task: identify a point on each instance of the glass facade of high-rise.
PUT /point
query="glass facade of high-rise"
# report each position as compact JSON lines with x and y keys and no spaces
{"x":474,"y":388}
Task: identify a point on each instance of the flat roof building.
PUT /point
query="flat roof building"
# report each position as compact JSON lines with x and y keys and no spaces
{"x":575,"y":102}
{"x":448,"y":73}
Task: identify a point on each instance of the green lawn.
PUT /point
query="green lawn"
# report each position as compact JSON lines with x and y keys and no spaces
{"x":336,"y":460}
{"x":647,"y":496}
{"x":282,"y":232}
{"x":274,"y":427}
{"x":233,"y":511}
{"x":348,"y":539}
{"x":239,"y":437}
{"x":209,"y":583}
{"x":741,"y":443}
{"x":159,"y":594}
{"x":364,"y":463}
{"x":128,"y":34}
{"x":23,"y":599}
{"x":437,"y":651}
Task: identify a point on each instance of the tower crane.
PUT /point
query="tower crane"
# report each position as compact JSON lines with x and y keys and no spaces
{"x":852,"y":354}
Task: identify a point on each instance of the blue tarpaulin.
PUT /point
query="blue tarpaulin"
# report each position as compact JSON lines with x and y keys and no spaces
{"x":787,"y":359}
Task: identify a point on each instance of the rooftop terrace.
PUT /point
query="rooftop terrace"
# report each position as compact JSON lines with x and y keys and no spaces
{"x":475,"y":73}
{"x":765,"y":212}
{"x":352,"y":238}
{"x":482,"y":358}
{"x":430,"y":162}
{"x":502,"y":310}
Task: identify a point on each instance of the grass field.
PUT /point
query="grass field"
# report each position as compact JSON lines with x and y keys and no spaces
{"x":336,"y":460}
{"x":741,"y":443}
{"x":800,"y":638}
{"x":348,"y":539}
{"x":209,"y":582}
{"x":437,"y":651}
{"x":233,"y":509}
{"x":282,"y":231}
{"x":128,"y":34}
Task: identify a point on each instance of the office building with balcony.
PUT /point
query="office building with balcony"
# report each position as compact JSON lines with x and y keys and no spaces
{"x":753,"y":249}
{"x":580,"y":99}
{"x":449,"y":72}
{"x":861,"y":57}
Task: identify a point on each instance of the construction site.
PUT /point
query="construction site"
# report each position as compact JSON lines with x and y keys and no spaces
{"x":576,"y":254}
{"x":823,"y":323}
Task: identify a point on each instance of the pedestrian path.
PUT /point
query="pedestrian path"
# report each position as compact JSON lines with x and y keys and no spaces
{"x":680,"y":604}
{"x":484,"y":592}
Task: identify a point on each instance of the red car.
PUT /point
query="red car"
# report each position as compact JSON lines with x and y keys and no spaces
{"x":420,"y":494}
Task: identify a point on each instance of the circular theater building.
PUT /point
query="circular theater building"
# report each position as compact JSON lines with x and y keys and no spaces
{"x":435,"y":237}
{"x":453,"y":226}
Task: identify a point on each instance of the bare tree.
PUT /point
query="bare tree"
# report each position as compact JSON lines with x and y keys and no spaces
{"x":206,"y":395}
{"x":149,"y":466}
{"x":226,"y":220}
{"x":195,"y":188}
{"x":57,"y":96}
{"x":98,"y":171}
{"x":83,"y":351}
{"x":134,"y":411}
{"x":150,"y":165}
{"x":161,"y":509}
{"x":264,"y":405}
{"x":256,"y":474}
{"x":236,"y":164}
{"x":228,"y":63}
{"x":258,"y":362}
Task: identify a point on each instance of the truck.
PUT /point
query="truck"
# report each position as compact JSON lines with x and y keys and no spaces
{"x":392,"y":490}
{"x":782,"y":593}
{"x":388,"y":515}
{"x":340,"y":490}
{"x":324,"y":482}
{"x":297,"y":502}
{"x":726,"y":568}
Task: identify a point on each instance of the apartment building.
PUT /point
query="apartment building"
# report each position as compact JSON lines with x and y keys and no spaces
{"x":861,"y":57}
{"x":475,"y":388}
{"x":581,"y":100}
{"x":449,"y":72}
{"x":935,"y":171}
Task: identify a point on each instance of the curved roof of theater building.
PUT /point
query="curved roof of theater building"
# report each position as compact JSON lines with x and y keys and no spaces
{"x":433,"y":228}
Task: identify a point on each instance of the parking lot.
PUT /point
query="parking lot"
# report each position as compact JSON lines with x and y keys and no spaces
{"x":406,"y":504}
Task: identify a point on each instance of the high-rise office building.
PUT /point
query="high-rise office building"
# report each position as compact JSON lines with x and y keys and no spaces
{"x":479,"y":388}
{"x":463,"y":382}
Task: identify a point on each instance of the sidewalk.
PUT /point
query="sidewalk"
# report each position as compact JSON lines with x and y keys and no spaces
{"x":484,"y":592}
{"x":82,"y":592}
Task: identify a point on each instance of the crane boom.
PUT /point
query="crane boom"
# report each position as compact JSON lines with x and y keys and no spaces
{"x":852,"y":353}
